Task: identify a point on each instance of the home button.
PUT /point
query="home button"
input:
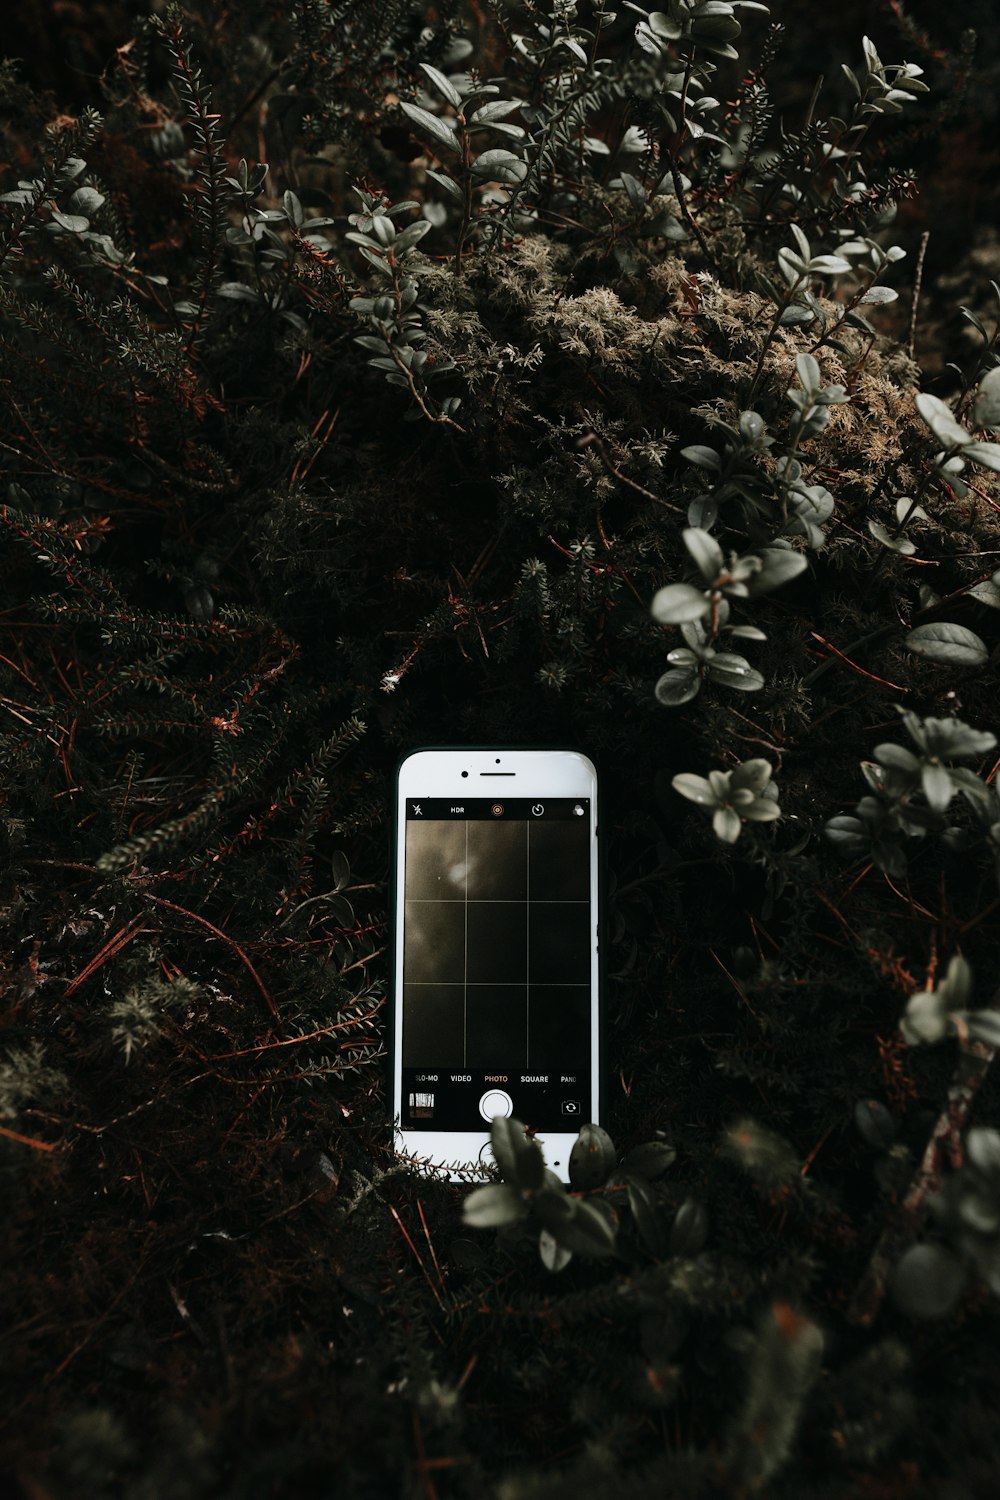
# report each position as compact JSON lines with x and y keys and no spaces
{"x":495,"y":1102}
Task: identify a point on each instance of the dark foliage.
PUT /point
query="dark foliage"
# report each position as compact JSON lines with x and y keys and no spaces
{"x":552,"y":361}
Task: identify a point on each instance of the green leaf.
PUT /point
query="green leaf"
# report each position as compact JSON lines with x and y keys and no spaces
{"x":493,"y":1206}
{"x":754,"y":774}
{"x":500,"y":166}
{"x":651,"y":1229}
{"x":451,"y":188}
{"x":808,"y":373}
{"x":925,"y":1020}
{"x":294,"y":209}
{"x":882,"y":294}
{"x":702,"y":457}
{"x":986,"y":411}
{"x":634,"y":191}
{"x":897,"y":757}
{"x":86,"y":200}
{"x":663,"y":25}
{"x":936,"y":784}
{"x":444,"y":86}
{"x":905,"y":507}
{"x":928,"y":1281}
{"x":951,"y":644}
{"x":695,"y":789}
{"x":518,"y":1156}
{"x":235,"y":291}
{"x":690,"y":1229}
{"x":588,"y":1231}
{"x":514,"y":132}
{"x":441,"y":131}
{"x":411,"y":235}
{"x":898,"y":544}
{"x":553,"y":1206}
{"x":726,"y":825}
{"x":829,"y":265}
{"x":875,"y":1124}
{"x":752,"y":426}
{"x":982,"y":1147}
{"x":986,"y":592}
{"x":650,"y":1159}
{"x":957,"y":986}
{"x":677,"y":602}
{"x":779,"y":565}
{"x":984,"y":1026}
{"x":941,"y":421}
{"x":554,"y":1257}
{"x":592,"y":1158}
{"x":72,"y":223}
{"x":986,"y":455}
{"x":677,"y":687}
{"x":848,"y":833}
{"x":683,"y":656}
{"x":705,"y":551}
{"x":761,"y":810}
{"x":734,"y":671}
{"x":949,"y":739}
{"x":373,"y":257}
{"x":496,"y":109}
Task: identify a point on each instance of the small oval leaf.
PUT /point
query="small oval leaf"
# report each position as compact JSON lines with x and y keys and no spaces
{"x":690,"y":1229}
{"x":518,"y":1156}
{"x":874,"y":1124}
{"x":493,"y":1206}
{"x":650,"y":1159}
{"x":592,"y":1158}
{"x":928,"y":1281}
{"x":953,"y":645}
{"x":554,"y":1257}
{"x":678,"y":602}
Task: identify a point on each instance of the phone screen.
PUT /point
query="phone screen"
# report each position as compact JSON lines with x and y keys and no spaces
{"x":498,"y":943}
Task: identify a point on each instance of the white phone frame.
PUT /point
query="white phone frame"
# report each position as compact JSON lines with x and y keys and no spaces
{"x":539,"y":773}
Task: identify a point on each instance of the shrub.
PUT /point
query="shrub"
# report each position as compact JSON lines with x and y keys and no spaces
{"x":534,"y":371}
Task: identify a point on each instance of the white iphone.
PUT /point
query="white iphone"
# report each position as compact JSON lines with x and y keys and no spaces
{"x":496,"y":996}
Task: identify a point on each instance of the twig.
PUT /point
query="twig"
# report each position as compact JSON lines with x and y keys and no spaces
{"x":918,"y":277}
{"x":853,"y":664}
{"x":223,"y":936}
{"x":111,"y":947}
{"x":27,"y":1140}
{"x":592,"y":438}
{"x":418,"y":1258}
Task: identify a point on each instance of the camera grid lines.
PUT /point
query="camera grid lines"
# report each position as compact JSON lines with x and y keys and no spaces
{"x":507,"y":984}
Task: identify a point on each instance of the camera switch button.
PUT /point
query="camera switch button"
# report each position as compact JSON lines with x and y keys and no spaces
{"x":495,"y":1102}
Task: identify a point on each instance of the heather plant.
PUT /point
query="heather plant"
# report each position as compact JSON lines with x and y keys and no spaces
{"x":388,"y":375}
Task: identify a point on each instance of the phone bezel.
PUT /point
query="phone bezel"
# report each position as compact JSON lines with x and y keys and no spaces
{"x":437,"y":771}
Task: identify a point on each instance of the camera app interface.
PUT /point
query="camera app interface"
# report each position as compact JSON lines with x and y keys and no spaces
{"x":497,"y":947}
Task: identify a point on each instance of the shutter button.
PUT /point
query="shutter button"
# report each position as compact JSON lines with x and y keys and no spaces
{"x":495,"y":1102}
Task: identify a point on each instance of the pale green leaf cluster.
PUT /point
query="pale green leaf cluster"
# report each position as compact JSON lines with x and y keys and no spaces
{"x":746,"y":794}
